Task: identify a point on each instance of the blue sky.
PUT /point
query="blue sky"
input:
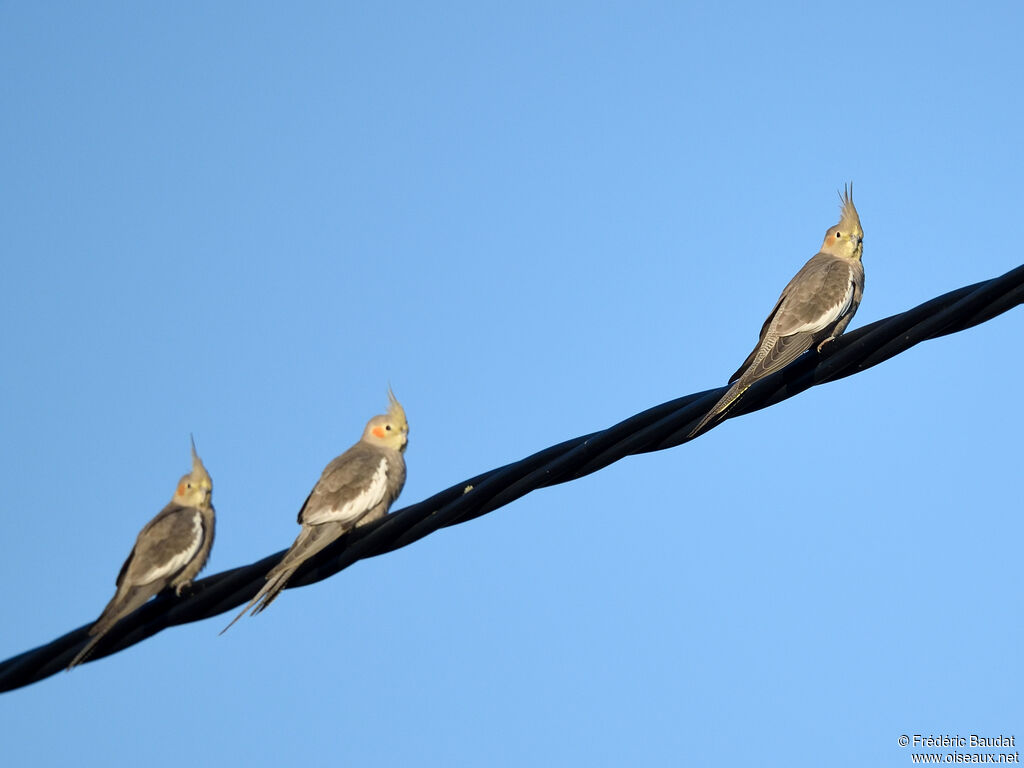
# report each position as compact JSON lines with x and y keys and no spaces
{"x":534,"y":220}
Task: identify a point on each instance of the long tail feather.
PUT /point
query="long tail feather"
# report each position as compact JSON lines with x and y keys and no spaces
{"x":242,"y":612}
{"x":271,"y":589}
{"x":84,"y":653}
{"x":311,"y":539}
{"x":256,"y":598}
{"x":721,"y":407}
{"x":123,"y":603}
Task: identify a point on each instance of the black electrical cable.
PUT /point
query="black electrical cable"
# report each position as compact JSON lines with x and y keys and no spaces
{"x":655,"y":429}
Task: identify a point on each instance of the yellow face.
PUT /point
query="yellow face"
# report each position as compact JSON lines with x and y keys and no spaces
{"x":391,"y":429}
{"x":387,"y":431}
{"x":845,"y":239}
{"x":196,"y":488}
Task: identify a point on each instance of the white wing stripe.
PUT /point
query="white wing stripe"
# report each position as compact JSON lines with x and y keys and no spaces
{"x":831,"y":315}
{"x":180,"y":560}
{"x":359,"y":505}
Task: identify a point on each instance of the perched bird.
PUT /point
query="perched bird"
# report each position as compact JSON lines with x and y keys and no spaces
{"x":169,"y":552}
{"x":813,"y":309}
{"x":356,"y":488}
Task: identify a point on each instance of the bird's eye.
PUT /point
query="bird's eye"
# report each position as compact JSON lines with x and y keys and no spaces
{"x":838,"y":235}
{"x":388,"y":427}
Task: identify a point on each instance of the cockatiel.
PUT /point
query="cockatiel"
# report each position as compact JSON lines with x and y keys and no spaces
{"x":169,"y":552}
{"x":814,"y":308}
{"x":356,"y":488}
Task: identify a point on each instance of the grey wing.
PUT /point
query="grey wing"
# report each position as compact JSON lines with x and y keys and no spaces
{"x":350,"y":486}
{"x":795,"y":280}
{"x":814,"y":301}
{"x":760,"y":340}
{"x":165,"y":546}
{"x":820,"y":299}
{"x":198,"y":562}
{"x":779,"y":352}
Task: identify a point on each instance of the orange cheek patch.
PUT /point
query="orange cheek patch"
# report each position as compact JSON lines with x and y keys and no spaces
{"x":181,"y":489}
{"x":378,"y":431}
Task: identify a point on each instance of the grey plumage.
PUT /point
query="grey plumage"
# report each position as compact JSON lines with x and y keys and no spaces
{"x":815,"y":307}
{"x":345,"y":497}
{"x":356,"y":488}
{"x":169,"y":552}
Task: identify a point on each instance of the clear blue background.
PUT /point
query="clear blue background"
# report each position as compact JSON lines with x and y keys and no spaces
{"x":534,"y":219}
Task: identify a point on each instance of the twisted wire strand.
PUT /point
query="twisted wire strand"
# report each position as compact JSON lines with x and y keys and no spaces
{"x":663,"y":426}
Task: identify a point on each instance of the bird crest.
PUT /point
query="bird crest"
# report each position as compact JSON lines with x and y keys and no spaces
{"x":195,"y":488}
{"x":199,"y":472}
{"x":395,"y":410}
{"x":849,"y":219}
